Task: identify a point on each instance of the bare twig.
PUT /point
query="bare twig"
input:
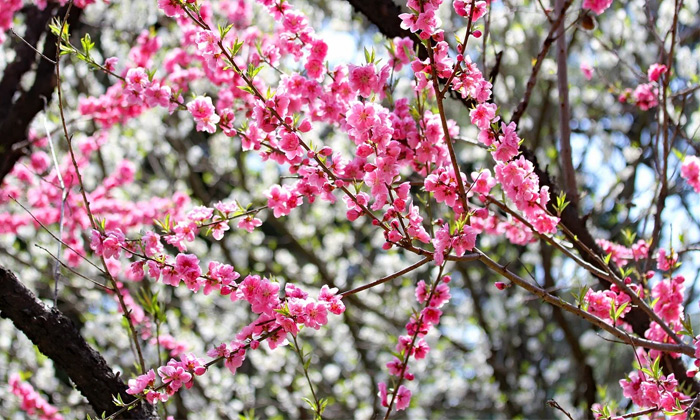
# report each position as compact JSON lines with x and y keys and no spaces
{"x":118,"y":293}
{"x":64,"y":196}
{"x":12,"y":31}
{"x":522,"y":106}
{"x":387,"y":278}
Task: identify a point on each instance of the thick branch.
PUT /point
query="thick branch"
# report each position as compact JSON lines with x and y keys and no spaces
{"x":57,"y":338}
{"x":567,"y":164}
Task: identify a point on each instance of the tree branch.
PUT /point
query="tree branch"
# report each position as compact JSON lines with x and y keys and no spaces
{"x":58,"y":339}
{"x":566,"y":160}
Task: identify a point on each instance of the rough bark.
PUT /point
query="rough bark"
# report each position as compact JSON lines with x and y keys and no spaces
{"x":57,"y":338}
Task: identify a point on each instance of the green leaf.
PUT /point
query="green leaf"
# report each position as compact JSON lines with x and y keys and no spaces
{"x":247,"y":89}
{"x":629,"y":235}
{"x":311,"y":403}
{"x":224,"y":31}
{"x":619,"y":311}
{"x":678,"y":153}
{"x":236,"y":47}
{"x":607,"y":259}
{"x":87,"y":44}
{"x":561,"y":203}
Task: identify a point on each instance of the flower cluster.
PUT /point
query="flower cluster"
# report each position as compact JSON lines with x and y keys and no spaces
{"x":7,"y":13}
{"x":277,"y":318}
{"x":32,"y":402}
{"x":521,"y":185}
{"x":413,"y":342}
{"x":597,"y":6}
{"x":203,"y":113}
{"x":613,"y":304}
{"x":690,"y":171}
{"x":645,"y":391}
{"x":173,"y":376}
{"x":621,"y":255}
{"x":36,"y":184}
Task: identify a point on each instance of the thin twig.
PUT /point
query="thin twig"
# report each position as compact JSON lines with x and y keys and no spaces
{"x":556,"y":405}
{"x":64,"y":196}
{"x":12,"y":31}
{"x":557,"y":301}
{"x":120,"y":296}
{"x":532,"y":80}
{"x":107,"y":288}
{"x":387,"y":278}
{"x":43,"y":226}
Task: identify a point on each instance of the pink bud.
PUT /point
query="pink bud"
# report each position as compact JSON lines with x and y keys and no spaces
{"x":305,"y":126}
{"x":482,"y":213}
{"x":500,"y":285}
{"x":477,"y":34}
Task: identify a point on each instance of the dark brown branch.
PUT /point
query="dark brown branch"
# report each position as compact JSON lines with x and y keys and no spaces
{"x":15,"y":116}
{"x":522,"y":106}
{"x":56,"y":337}
{"x":587,"y":387}
{"x":566,"y":159}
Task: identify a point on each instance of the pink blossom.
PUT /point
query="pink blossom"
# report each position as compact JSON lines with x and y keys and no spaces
{"x":464,"y":7}
{"x":464,"y":241}
{"x":483,"y":115}
{"x":441,"y":295}
{"x":112,"y":243}
{"x":597,"y":6}
{"x":587,"y":70}
{"x":655,"y":71}
{"x":316,"y":315}
{"x":32,"y":402}
{"x":690,"y":171}
{"x":403,"y":398}
{"x":187,"y":268}
{"x":249,"y":223}
{"x":382,"y":394}
{"x":138,"y":385}
{"x":669,"y":298}
{"x":483,"y":181}
{"x":666,"y":262}
{"x":202,"y":110}
{"x":640,"y":250}
{"x":645,"y":95}
{"x":363,"y":79}
{"x":174,"y":375}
